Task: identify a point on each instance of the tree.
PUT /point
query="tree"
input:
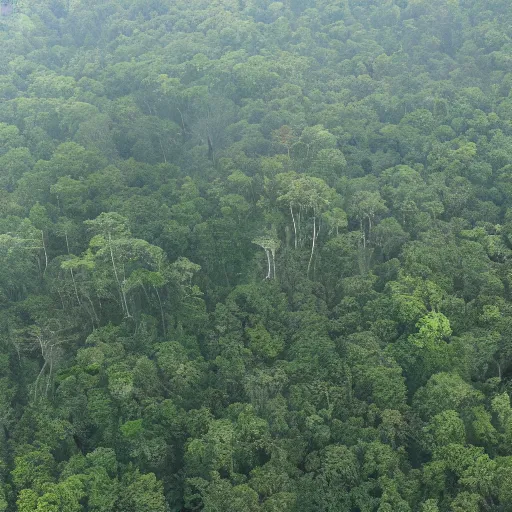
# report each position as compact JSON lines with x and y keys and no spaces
{"x":20,"y":251}
{"x":270,"y":243}
{"x":15,"y":163}
{"x":365,"y":206}
{"x":106,"y":227}
{"x":445,"y":391}
{"x":47,"y":341}
{"x":33,"y":469}
{"x":141,"y":493}
{"x":149,"y":150}
{"x":337,"y":472}
{"x":443,"y":429}
{"x":112,"y":243}
{"x":309,"y":195}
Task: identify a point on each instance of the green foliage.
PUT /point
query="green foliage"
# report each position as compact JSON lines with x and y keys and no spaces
{"x":255,"y":256}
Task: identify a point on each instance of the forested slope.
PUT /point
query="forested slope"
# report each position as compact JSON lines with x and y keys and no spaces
{"x":256,"y":256}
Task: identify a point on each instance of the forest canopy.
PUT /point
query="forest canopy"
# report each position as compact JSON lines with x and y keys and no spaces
{"x":256,"y":256}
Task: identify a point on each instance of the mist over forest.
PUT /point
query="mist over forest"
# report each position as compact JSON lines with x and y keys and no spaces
{"x":255,"y":256}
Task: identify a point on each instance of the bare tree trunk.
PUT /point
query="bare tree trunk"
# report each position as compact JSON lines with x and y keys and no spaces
{"x":76,"y":289}
{"x":37,"y":380}
{"x":48,"y":380}
{"x":312,"y":245}
{"x":124,"y":304}
{"x":162,"y":148}
{"x":161,"y":310}
{"x":45,"y":253}
{"x":298,"y":226}
{"x":61,"y":299}
{"x":294,"y":226}
{"x":269,"y":275}
{"x":72,"y":274}
{"x":274,"y":262}
{"x":93,"y":311}
{"x":183,"y":130}
{"x":145,"y":292}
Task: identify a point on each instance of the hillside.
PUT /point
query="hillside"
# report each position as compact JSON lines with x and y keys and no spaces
{"x":256,"y":256}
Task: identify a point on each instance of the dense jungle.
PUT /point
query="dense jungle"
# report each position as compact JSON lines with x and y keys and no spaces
{"x":255,"y":256}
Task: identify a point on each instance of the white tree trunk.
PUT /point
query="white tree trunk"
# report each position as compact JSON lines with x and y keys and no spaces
{"x":312,"y":245}
{"x":161,"y":310}
{"x":124,"y":304}
{"x":294,"y":226}
{"x":45,"y":253}
{"x":72,"y":274}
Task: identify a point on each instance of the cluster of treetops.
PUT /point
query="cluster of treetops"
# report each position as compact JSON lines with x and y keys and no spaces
{"x":256,"y":256}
